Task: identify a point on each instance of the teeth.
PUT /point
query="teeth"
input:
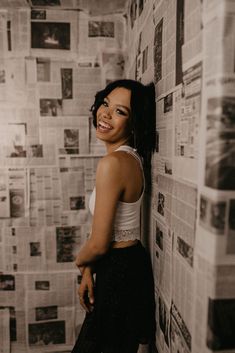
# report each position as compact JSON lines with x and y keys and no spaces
{"x":104,"y":125}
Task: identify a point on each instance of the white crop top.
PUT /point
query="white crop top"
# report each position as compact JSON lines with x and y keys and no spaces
{"x":127,"y":217}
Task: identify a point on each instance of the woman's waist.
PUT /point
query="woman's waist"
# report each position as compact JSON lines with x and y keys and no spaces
{"x":123,"y":244}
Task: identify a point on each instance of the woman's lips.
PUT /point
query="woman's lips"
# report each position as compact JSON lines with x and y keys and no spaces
{"x":103,"y":126}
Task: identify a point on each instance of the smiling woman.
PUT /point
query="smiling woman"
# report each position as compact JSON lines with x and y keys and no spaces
{"x":120,"y":305}
{"x":113,"y":118}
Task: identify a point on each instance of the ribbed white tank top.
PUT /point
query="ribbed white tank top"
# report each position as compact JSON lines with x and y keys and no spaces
{"x":127,"y":217}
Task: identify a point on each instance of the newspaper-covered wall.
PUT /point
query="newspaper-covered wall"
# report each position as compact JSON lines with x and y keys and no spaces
{"x":187,"y":48}
{"x":53,"y":59}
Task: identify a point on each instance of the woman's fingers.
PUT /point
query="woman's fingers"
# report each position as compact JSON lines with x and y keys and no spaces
{"x":91,"y":293}
{"x":86,"y":294}
{"x":83,"y":300}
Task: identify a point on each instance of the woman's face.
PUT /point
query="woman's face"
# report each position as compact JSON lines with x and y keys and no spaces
{"x":113,"y":116}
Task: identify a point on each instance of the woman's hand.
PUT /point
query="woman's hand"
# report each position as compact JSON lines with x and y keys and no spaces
{"x":86,"y":290}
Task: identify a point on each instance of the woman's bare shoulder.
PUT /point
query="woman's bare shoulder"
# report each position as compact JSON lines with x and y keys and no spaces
{"x":110,"y":160}
{"x":118,"y":164}
{"x":109,"y":166}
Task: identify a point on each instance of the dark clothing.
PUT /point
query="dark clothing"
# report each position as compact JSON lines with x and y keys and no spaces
{"x":124,"y":311}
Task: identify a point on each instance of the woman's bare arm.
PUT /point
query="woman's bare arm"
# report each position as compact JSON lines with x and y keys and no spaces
{"x":109,"y":186}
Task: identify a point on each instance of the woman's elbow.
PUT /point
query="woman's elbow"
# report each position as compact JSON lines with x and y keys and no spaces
{"x":99,"y":249}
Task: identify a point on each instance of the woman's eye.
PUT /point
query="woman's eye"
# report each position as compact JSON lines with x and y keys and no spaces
{"x":105,"y":103}
{"x":121,"y":112}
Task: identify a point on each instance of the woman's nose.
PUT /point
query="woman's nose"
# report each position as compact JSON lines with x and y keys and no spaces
{"x":107,"y":113}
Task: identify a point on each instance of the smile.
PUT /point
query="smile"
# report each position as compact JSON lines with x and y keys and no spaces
{"x":104,"y":126}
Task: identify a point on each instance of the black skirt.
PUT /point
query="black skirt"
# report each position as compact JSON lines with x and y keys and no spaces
{"x":124,"y":310}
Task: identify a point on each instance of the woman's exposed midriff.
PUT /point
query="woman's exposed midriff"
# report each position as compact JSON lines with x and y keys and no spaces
{"x":124,"y":244}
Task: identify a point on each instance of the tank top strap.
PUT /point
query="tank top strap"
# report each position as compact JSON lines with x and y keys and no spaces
{"x":130,"y":150}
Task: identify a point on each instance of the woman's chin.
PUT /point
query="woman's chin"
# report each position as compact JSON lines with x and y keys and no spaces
{"x":103,"y":136}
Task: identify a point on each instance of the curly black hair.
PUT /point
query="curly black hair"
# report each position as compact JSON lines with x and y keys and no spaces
{"x":143,"y":114}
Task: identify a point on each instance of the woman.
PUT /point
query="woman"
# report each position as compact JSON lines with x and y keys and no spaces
{"x":120,"y":307}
